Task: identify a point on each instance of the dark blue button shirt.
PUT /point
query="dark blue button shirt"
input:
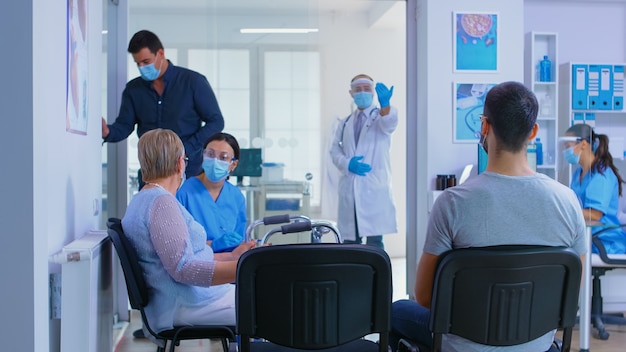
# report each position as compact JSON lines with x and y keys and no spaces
{"x":187,"y":106}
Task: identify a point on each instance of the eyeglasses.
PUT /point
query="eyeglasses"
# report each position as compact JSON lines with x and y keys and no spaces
{"x":223,"y":156}
{"x":186,"y":161}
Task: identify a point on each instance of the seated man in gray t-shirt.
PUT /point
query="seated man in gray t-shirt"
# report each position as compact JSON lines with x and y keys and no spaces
{"x":507,"y":204}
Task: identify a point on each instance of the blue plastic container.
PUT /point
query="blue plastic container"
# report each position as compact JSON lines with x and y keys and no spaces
{"x":539,"y":149}
{"x":545,"y":70}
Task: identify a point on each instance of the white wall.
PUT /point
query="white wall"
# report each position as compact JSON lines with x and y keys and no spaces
{"x":49,"y":178}
{"x":594,"y":32}
{"x":436,"y":153}
{"x":589,"y":31}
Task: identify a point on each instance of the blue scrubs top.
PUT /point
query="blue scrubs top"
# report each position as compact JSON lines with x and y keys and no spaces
{"x":224,"y":220}
{"x":600,"y":192}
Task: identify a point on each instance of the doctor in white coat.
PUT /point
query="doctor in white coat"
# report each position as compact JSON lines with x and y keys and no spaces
{"x":360,"y":151}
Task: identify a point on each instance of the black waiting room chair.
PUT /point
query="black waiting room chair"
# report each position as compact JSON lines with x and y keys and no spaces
{"x":323,"y":297}
{"x":139,"y":298}
{"x":504,"y":295}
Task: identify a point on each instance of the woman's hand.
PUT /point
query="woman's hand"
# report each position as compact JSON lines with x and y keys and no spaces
{"x":242,"y":248}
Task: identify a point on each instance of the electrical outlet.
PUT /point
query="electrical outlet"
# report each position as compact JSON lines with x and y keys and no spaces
{"x":55,"y":296}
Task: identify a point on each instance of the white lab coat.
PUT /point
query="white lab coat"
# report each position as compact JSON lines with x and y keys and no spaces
{"x":375,"y":209}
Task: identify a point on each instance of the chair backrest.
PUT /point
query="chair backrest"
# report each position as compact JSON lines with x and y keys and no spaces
{"x":505,"y":295}
{"x":133,"y":274}
{"x":313,"y":296}
{"x":602,"y":253}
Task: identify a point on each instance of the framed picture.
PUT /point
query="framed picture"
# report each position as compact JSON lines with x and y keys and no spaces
{"x":476,"y":41}
{"x":469,"y":101}
{"x":77,"y":66}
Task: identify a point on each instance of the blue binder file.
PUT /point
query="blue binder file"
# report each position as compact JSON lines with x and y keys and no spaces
{"x":579,"y":87}
{"x":590,"y":119}
{"x":618,"y":87}
{"x":605,"y":97}
{"x":579,"y":117}
{"x":593,"y":87}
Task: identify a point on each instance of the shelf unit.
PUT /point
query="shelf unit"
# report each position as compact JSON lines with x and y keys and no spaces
{"x":595,"y":96}
{"x":539,"y":44}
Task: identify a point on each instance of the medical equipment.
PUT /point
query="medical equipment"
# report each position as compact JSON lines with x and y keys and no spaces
{"x":343,"y":127}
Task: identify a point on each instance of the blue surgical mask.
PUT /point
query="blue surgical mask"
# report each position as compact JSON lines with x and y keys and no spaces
{"x":149,"y":72}
{"x":570,"y":156}
{"x":216,"y":170}
{"x":363,"y":99}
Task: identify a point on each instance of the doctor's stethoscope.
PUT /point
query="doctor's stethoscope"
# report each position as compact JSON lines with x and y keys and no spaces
{"x":343,"y":128}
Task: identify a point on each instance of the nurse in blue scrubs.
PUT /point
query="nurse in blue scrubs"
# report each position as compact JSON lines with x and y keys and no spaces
{"x":596,"y":181}
{"x":213,"y":201}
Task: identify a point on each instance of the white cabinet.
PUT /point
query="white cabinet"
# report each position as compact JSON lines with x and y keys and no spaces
{"x":538,"y":45}
{"x":594,"y":94}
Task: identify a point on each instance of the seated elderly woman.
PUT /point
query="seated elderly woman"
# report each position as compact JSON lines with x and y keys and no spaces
{"x":189,"y":283}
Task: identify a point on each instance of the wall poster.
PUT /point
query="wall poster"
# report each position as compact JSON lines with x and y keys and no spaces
{"x":469,"y":102}
{"x":476,"y":42}
{"x":77,"y":64}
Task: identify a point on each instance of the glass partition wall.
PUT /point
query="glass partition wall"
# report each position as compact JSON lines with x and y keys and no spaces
{"x":283,"y":87}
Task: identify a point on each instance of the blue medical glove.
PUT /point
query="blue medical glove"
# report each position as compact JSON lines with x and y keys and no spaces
{"x":357,"y":167}
{"x":227,"y":242}
{"x":384,"y":94}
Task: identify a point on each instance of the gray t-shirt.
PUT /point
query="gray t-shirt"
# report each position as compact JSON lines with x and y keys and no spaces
{"x":493,"y":209}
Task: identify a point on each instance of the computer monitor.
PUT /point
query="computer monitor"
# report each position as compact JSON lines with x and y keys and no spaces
{"x":482,"y":159}
{"x":250,"y":161}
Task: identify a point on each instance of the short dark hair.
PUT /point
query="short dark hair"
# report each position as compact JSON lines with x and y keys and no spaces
{"x":225,"y":137}
{"x":511,"y":110}
{"x":144,"y":39}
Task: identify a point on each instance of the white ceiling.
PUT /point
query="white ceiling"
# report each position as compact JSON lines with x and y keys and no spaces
{"x":260,"y":7}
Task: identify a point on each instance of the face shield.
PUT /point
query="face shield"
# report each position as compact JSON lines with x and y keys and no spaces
{"x":570,"y":150}
{"x":568,"y":153}
{"x":567,"y":157}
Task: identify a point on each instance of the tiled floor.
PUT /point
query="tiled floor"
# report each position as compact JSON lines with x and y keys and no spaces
{"x":124,"y":341}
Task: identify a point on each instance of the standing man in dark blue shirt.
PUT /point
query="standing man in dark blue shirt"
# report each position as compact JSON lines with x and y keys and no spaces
{"x":166,"y":96}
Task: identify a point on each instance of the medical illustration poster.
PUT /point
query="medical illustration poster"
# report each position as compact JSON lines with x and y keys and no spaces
{"x":468,"y":107}
{"x":77,"y":64}
{"x":475,"y":43}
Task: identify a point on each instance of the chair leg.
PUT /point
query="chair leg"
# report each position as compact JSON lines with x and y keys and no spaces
{"x":596,"y":305}
{"x":225,"y":344}
{"x":566,"y":343}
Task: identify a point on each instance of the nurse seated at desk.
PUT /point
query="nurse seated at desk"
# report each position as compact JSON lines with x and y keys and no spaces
{"x":596,"y":181}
